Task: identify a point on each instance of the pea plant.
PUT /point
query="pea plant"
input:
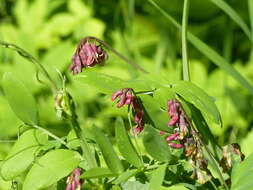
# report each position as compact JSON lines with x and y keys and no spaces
{"x":161,"y":141}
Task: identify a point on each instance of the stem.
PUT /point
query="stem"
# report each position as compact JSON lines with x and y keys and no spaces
{"x":186,"y":75}
{"x":250,"y":7}
{"x":29,"y":57}
{"x":50,"y":134}
{"x":116,"y":53}
{"x":135,"y":136}
{"x":84,"y":145}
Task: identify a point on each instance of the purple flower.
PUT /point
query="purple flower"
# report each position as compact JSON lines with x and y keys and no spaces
{"x":73,"y":181}
{"x":87,"y":55}
{"x":172,"y":137}
{"x":126,"y":97}
{"x":177,"y":146}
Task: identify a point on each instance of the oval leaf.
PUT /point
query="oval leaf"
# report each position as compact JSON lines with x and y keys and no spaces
{"x":23,"y":153}
{"x":104,"y":83}
{"x":125,"y":176}
{"x":50,"y":168}
{"x":154,"y":114}
{"x":125,"y":145}
{"x":20,"y":99}
{"x":111,"y":158}
{"x":242,"y":175}
{"x":97,"y":173}
{"x":157,"y":177}
{"x":199,"y":99}
{"x":155,"y":145}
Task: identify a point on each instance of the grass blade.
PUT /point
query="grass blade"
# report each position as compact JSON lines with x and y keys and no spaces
{"x":208,"y":52}
{"x":233,"y":15}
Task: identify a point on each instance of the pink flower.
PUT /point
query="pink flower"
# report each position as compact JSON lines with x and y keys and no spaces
{"x":87,"y":55}
{"x":73,"y":181}
{"x":172,"y":137}
{"x":126,"y":97}
{"x":177,"y":146}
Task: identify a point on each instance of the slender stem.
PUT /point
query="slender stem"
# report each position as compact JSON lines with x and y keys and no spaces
{"x":32,"y":59}
{"x":186,"y":75}
{"x":116,"y":53}
{"x":213,"y":184}
{"x":135,"y":136}
{"x":84,"y":145}
{"x":250,"y":7}
{"x":50,"y":134}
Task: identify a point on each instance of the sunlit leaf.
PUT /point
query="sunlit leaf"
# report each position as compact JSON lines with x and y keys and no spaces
{"x":125,"y":145}
{"x":23,"y":153}
{"x":50,"y":168}
{"x":20,"y":99}
{"x":108,"y":152}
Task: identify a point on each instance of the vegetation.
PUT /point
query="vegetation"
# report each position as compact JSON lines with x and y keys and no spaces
{"x":126,"y":95}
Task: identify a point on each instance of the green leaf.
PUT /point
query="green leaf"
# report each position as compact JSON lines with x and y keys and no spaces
{"x":157,"y":177}
{"x":104,"y":83}
{"x":23,"y":153}
{"x":20,"y":99}
{"x":162,"y":95}
{"x":125,"y":176}
{"x":158,"y":118}
{"x":199,"y":99}
{"x":155,"y":145}
{"x":242,"y":175}
{"x":208,"y":51}
{"x":97,"y":173}
{"x":134,"y":185}
{"x":233,"y":15}
{"x":175,"y":187}
{"x":50,"y":168}
{"x":111,"y":158}
{"x":125,"y":145}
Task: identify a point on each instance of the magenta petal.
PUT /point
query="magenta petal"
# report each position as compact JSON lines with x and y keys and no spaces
{"x":173,"y":120}
{"x":172,"y":137}
{"x":122,"y":101}
{"x":116,"y":94}
{"x":162,"y":133}
{"x":68,"y":187}
{"x":177,"y":146}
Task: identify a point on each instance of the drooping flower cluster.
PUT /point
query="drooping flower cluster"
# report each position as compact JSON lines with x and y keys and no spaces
{"x":185,"y":137}
{"x":127,"y":97}
{"x":87,"y":55}
{"x":179,"y":122}
{"x":73,"y":181}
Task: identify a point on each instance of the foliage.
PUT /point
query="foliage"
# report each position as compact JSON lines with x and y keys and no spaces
{"x":53,"y":122}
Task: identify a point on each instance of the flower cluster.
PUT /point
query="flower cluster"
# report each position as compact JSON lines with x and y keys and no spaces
{"x":179,"y":122}
{"x":73,"y":181}
{"x":127,"y":97}
{"x":185,"y":137}
{"x":87,"y":55}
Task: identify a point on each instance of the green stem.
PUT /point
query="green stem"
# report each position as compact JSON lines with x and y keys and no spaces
{"x":87,"y":154}
{"x":135,"y":136}
{"x":250,"y":7}
{"x":50,"y":134}
{"x":186,"y":75}
{"x":32,"y":59}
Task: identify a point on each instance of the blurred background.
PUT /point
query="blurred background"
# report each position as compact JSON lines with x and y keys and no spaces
{"x":50,"y":30}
